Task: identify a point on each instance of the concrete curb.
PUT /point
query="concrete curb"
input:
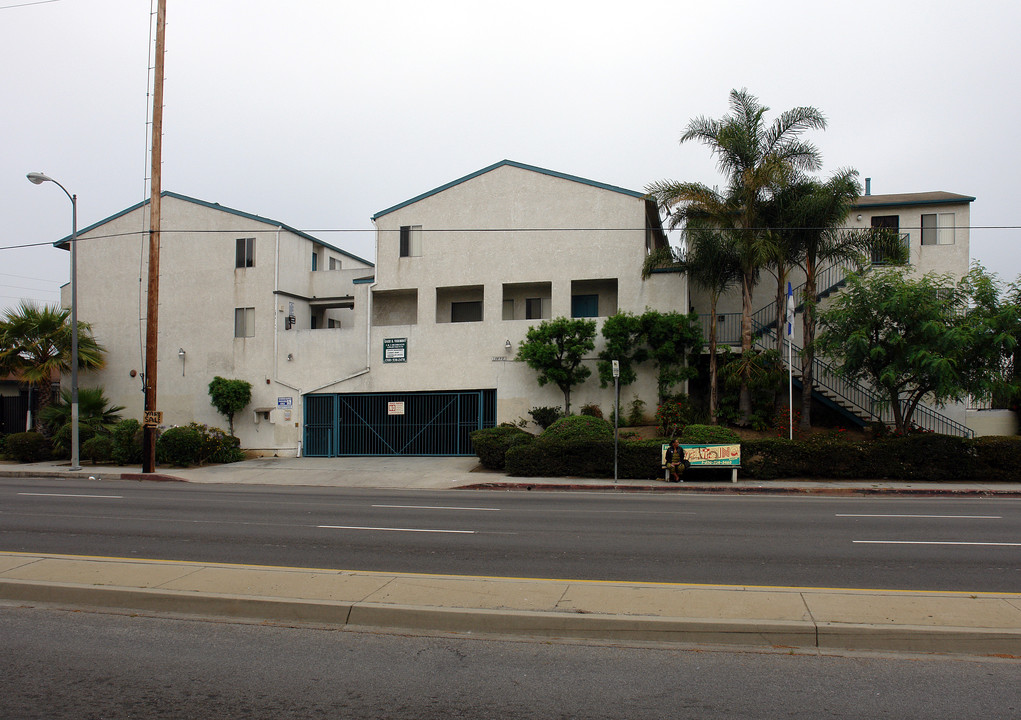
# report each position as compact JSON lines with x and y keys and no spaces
{"x":524,"y":624}
{"x":731,"y":490}
{"x":85,"y":472}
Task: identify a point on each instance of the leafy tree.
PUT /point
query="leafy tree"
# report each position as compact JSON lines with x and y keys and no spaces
{"x":35,"y":343}
{"x":625,"y":343}
{"x":914,"y":338}
{"x":711,"y":264}
{"x":755,"y":158}
{"x":555,"y":349}
{"x":229,"y":396}
{"x":671,"y":337}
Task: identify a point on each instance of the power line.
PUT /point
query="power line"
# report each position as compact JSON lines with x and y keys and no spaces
{"x":38,"y":2}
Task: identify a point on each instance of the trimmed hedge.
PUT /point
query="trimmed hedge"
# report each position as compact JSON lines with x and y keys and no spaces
{"x":98,"y":448}
{"x":195,"y":443}
{"x":28,"y":447}
{"x":491,"y":444}
{"x":708,"y":435}
{"x":584,"y":458}
{"x":921,"y":457}
{"x":577,"y":428}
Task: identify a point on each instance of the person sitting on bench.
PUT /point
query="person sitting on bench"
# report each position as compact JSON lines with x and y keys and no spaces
{"x":674,"y":460}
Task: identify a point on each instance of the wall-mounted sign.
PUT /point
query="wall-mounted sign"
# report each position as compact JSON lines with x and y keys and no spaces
{"x":395,"y":350}
{"x":395,"y":408}
{"x":285,"y":402}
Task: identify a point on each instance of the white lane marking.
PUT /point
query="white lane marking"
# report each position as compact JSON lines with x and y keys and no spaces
{"x":934,"y":542}
{"x":356,"y":527}
{"x":110,"y":497}
{"x":961,"y":517}
{"x":437,"y":507}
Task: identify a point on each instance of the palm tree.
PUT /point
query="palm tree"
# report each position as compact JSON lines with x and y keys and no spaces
{"x":755,"y":158}
{"x":35,"y":342}
{"x":95,"y":414}
{"x":816,"y":214}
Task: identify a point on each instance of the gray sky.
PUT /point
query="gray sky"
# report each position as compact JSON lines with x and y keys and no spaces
{"x":318,"y":114}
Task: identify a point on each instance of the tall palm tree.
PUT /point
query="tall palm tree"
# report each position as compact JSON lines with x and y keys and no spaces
{"x":816,"y":214}
{"x":755,"y":158}
{"x":35,"y":342}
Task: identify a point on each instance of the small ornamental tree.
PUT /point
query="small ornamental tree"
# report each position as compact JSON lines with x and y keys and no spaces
{"x":915,"y":338}
{"x":229,"y":396}
{"x":555,"y":349}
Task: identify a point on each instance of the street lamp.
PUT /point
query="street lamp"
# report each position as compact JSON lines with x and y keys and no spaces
{"x":39,"y":179}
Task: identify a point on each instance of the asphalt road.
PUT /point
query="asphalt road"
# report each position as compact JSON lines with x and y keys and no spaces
{"x":56,"y":665}
{"x":969,"y":544}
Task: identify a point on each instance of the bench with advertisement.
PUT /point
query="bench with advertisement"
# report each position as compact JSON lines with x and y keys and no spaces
{"x":707,"y":456}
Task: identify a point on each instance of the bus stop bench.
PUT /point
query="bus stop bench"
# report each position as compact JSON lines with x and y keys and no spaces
{"x":707,"y":456}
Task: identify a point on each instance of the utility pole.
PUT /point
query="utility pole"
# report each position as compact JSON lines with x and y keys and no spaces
{"x":152,"y":416}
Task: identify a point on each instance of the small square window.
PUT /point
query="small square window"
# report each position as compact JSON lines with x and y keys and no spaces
{"x":411,"y":241}
{"x":334,"y":263}
{"x":583,"y":306}
{"x":244,"y":253}
{"x":938,"y":229}
{"x":244,"y":322}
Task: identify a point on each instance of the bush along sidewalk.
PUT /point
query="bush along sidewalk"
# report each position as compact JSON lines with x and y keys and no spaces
{"x":580,"y":447}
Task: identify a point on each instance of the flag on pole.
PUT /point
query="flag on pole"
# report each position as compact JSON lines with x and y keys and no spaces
{"x":790,"y":310}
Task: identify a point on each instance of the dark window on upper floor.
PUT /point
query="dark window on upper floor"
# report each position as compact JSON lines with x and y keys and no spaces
{"x":411,"y":241}
{"x":584,"y":306}
{"x":470,"y":311}
{"x":244,"y":253}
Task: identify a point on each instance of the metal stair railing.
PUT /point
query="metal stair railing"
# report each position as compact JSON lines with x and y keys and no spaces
{"x":863,"y":402}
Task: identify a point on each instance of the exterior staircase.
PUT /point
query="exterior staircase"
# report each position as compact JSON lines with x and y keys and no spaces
{"x":856,"y":401}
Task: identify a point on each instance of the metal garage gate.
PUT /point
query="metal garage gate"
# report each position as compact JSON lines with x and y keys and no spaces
{"x":413,"y":423}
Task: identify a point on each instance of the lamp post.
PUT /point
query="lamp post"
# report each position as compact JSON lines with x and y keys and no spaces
{"x":38,"y":179}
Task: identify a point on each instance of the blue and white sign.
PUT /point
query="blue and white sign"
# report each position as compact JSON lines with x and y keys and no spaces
{"x":285,"y":402}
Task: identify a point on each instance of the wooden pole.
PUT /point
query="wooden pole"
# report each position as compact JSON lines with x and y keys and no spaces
{"x":151,"y":419}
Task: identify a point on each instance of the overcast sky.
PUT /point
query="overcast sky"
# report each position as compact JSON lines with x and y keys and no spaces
{"x":320,"y":113}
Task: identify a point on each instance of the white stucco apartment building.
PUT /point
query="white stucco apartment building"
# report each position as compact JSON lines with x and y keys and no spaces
{"x":406,"y":357}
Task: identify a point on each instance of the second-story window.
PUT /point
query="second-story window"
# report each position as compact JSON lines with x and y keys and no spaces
{"x":938,"y":229}
{"x":411,"y":240}
{"x":244,"y":253}
{"x":315,"y":261}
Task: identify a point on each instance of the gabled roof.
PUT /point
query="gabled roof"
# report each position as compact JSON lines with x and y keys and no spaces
{"x":922,"y":198}
{"x":510,"y":163}
{"x":64,"y":242}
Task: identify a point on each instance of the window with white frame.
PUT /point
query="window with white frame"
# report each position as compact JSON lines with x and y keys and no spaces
{"x":411,"y":240}
{"x":334,"y":263}
{"x":938,"y":229}
{"x":244,"y":322}
{"x":244,"y":253}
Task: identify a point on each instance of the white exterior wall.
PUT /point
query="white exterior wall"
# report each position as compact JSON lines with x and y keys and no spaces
{"x":954,"y":259}
{"x":481,"y":234}
{"x":199,"y":291}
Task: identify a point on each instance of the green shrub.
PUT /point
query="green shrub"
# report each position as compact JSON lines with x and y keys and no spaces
{"x":545,"y":416}
{"x":672,"y":417}
{"x":576,"y":428}
{"x":491,"y":444}
{"x":592,"y":410}
{"x":127,"y":442}
{"x":98,"y":448}
{"x":573,"y":458}
{"x":709,"y":435}
{"x":636,"y":412}
{"x":999,"y":457}
{"x":28,"y":447}
{"x":179,"y":446}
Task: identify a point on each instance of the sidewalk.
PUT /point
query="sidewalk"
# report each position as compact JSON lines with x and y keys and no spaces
{"x":823,"y":619}
{"x":466,"y":473}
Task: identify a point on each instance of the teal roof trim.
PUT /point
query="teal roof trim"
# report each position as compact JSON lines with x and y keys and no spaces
{"x":510,"y":163}
{"x":63,"y":242}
